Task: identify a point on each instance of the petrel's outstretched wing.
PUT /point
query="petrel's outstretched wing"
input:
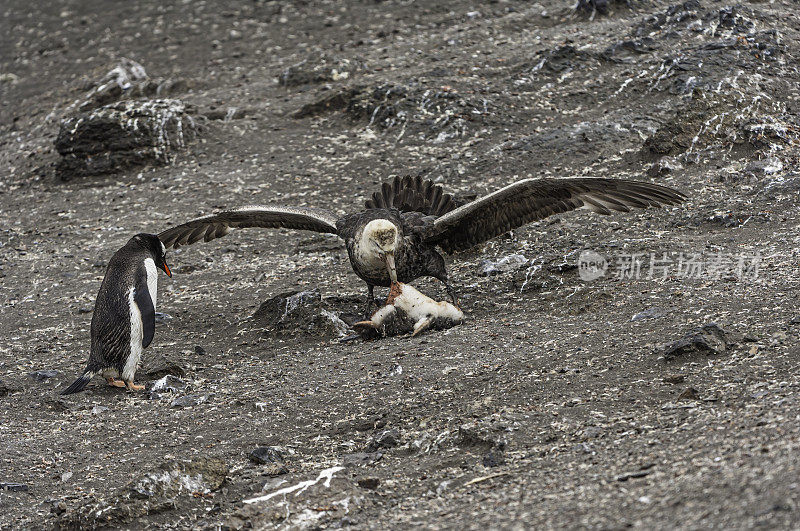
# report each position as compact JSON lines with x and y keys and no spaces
{"x":534,"y":199}
{"x":217,"y":225}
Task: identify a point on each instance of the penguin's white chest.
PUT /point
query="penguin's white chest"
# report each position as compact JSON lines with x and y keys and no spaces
{"x":137,"y":333}
{"x":137,"y":327}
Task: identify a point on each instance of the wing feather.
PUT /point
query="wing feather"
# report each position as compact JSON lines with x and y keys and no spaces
{"x":208,"y":228}
{"x":534,"y":199}
{"x":412,"y":194}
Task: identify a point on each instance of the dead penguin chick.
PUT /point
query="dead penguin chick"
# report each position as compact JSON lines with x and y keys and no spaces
{"x":407,"y":308}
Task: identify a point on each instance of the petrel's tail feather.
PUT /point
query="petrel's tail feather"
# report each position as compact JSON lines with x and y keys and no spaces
{"x":78,"y":385}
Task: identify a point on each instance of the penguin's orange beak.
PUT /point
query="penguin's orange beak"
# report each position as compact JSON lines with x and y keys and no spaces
{"x":166,"y":270}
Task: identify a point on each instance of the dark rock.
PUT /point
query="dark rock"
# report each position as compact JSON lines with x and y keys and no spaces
{"x":367,"y":422}
{"x":163,"y":317}
{"x":741,"y":130}
{"x":162,"y":489}
{"x":369,"y":483}
{"x":58,"y":403}
{"x":599,"y":6}
{"x":632,"y":475}
{"x":690,"y":393}
{"x":670,"y":139}
{"x":783,"y":185}
{"x":437,"y":114}
{"x":158,"y":366}
{"x":664,"y":166}
{"x":121,"y":135}
{"x":166,"y":384}
{"x":41,"y":376}
{"x":14,"y":487}
{"x":226,"y":115}
{"x":561,"y":59}
{"x":299,"y":312}
{"x":176,"y":478}
{"x":562,"y":266}
{"x":58,"y":508}
{"x":793,"y":321}
{"x":196,"y":476}
{"x":591,"y":432}
{"x":361,"y":459}
{"x":506,"y":264}
{"x":765,"y":166}
{"x":493,"y":458}
{"x":674,"y":379}
{"x":189,"y":268}
{"x":188,"y":401}
{"x":332,"y":102}
{"x":708,"y":339}
{"x":200,"y":351}
{"x":319,"y":69}
{"x":314,"y":500}
{"x":727,"y":219}
{"x":470,"y":436}
{"x":386,"y":439}
{"x":6,"y":389}
{"x":619,"y":50}
{"x":128,"y":80}
{"x":266,"y":454}
{"x":274,"y":470}
{"x":650,"y":313}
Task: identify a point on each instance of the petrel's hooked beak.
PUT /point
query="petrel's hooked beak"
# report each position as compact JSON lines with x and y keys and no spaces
{"x":165,"y":267}
{"x":389,"y":257}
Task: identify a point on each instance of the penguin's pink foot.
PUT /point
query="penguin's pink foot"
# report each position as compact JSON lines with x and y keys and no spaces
{"x":113,"y":382}
{"x":133,"y":387}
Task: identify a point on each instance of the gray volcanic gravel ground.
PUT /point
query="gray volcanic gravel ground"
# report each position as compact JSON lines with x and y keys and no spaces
{"x":554,"y":405}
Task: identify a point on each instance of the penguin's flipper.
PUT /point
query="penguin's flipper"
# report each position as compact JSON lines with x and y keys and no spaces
{"x":141,"y":296}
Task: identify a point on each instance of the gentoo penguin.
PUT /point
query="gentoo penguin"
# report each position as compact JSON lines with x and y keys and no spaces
{"x":407,"y":308}
{"x":124,"y":319}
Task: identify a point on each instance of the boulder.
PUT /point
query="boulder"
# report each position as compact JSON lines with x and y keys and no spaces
{"x":122,"y":135}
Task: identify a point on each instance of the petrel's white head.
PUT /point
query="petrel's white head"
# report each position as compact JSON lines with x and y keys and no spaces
{"x":380,"y":240}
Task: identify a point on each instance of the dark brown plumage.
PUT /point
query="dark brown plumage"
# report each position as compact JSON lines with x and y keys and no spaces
{"x":533,"y":199}
{"x":425,"y":217}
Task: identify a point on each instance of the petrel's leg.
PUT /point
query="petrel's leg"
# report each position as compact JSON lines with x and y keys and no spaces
{"x":113,"y":382}
{"x":441,"y":275}
{"x":451,"y":292}
{"x":370,"y":301}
